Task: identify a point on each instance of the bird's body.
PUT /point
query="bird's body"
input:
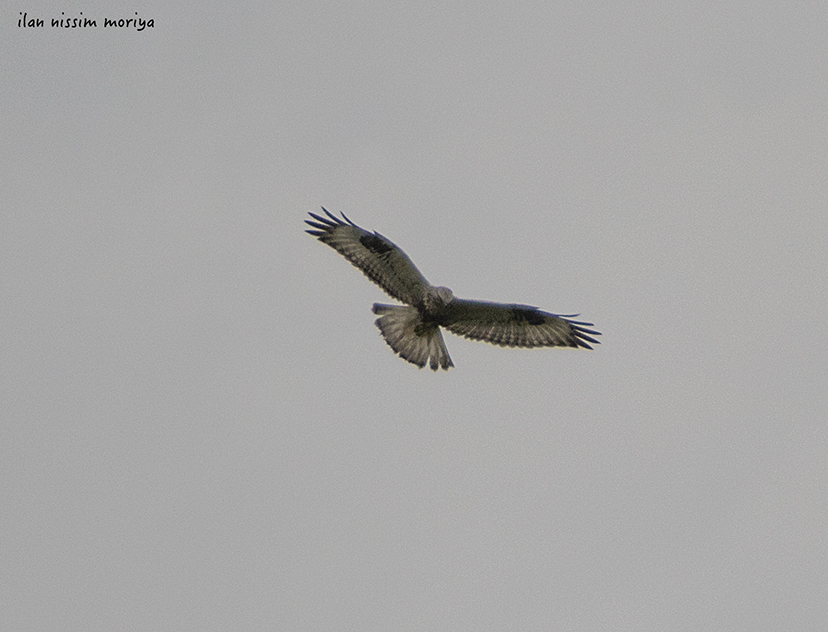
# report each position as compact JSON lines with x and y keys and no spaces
{"x":413,"y":330}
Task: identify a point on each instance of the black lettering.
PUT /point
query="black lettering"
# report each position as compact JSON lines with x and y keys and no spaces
{"x":139,"y":24}
{"x":27,"y":22}
{"x":73,"y":23}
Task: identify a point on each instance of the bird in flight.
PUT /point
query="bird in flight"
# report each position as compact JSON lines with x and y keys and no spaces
{"x":413,"y":330}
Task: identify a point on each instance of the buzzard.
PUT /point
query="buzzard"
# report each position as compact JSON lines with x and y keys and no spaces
{"x":413,"y":330}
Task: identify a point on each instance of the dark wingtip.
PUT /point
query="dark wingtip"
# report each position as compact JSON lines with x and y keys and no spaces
{"x":322,"y":225}
{"x":321,"y":219}
{"x":337,"y":221}
{"x":583,"y":336}
{"x":346,"y":218}
{"x":581,"y":340}
{"x":327,"y":223}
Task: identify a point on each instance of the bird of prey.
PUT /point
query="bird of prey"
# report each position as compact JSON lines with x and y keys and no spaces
{"x":413,"y":330}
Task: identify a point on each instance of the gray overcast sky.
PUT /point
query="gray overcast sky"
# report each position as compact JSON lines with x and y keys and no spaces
{"x":202,"y":428}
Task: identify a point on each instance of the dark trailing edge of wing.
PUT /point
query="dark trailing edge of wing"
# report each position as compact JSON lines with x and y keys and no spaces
{"x":325,"y":225}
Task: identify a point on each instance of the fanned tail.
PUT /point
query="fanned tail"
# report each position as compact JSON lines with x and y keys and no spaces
{"x":415,"y":341}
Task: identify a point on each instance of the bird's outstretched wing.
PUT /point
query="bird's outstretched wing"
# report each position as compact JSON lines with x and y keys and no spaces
{"x":378,"y":257}
{"x":515,"y":325}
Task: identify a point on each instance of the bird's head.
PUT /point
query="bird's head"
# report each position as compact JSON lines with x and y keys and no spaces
{"x":444,"y":294}
{"x":434,"y":299}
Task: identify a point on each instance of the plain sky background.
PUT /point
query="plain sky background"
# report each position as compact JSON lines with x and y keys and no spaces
{"x":202,"y":428}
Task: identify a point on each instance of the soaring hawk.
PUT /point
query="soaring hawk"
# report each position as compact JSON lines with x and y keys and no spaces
{"x":413,"y":330}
